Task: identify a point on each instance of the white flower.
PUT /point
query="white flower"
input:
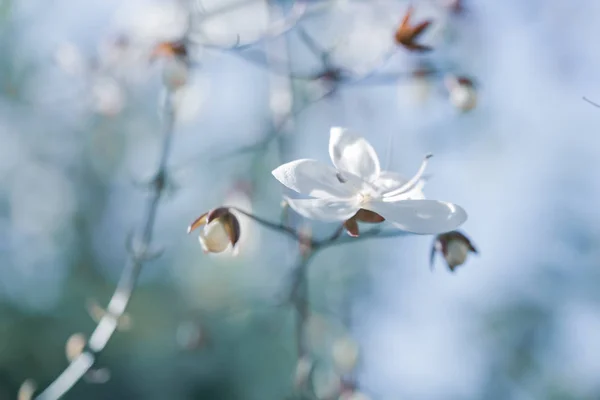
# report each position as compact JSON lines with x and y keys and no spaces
{"x":357,"y":182}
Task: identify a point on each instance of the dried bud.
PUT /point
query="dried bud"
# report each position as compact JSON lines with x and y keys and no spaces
{"x":220,"y":229}
{"x":454,"y":246}
{"x":407,"y":35}
{"x":345,"y":352}
{"x":362,"y":215}
{"x":463,"y":94}
{"x":304,"y":369}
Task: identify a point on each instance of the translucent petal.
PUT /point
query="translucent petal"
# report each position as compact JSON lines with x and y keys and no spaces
{"x":313,"y":178}
{"x":327,"y":210}
{"x":353,"y":154}
{"x":421,"y":216}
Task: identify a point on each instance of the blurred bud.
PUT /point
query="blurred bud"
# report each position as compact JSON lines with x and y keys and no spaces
{"x":408,"y":34}
{"x":454,"y":6}
{"x":124,"y":322}
{"x":108,"y":98}
{"x":420,"y":84}
{"x":190,"y":335}
{"x":176,"y":63}
{"x":362,"y":215}
{"x":97,"y":376}
{"x":304,"y":369}
{"x":354,"y":396}
{"x":169,"y":50}
{"x":176,"y":73}
{"x":345,"y":352}
{"x":26,"y":390}
{"x":463,"y":94}
{"x":326,"y":383}
{"x":454,"y":246}
{"x":75,"y":345}
{"x":69,"y":59}
{"x":115,"y":52}
{"x":220,"y":229}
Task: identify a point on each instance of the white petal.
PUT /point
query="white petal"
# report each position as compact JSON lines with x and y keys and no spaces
{"x":421,"y":216}
{"x":313,"y":178}
{"x":214,"y":237}
{"x":353,"y":154}
{"x":327,"y":210}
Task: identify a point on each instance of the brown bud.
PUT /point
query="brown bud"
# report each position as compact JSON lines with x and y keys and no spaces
{"x":220,"y":229}
{"x":407,"y":34}
{"x":454,"y":246}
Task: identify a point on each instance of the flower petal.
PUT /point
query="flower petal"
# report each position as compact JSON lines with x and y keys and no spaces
{"x":421,"y":216}
{"x":353,"y":154}
{"x":313,"y":178}
{"x":328,"y":210}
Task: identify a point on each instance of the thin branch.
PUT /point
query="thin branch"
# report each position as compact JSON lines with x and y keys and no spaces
{"x":139,"y":253}
{"x":272,"y":225}
{"x":299,"y":300}
{"x":591,"y":102}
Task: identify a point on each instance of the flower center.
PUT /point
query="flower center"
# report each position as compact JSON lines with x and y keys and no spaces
{"x":364,"y":198}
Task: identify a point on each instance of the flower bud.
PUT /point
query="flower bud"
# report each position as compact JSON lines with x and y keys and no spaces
{"x":220,"y":229}
{"x":345,"y":354}
{"x":454,"y":246}
{"x":176,"y":63}
{"x":463,"y":94}
{"x":75,"y":345}
{"x":26,"y":390}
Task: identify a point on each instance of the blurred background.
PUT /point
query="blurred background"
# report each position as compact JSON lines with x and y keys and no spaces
{"x":81,"y":134}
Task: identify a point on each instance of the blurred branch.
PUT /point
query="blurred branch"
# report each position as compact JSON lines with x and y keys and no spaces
{"x":591,"y":102}
{"x":274,"y":29}
{"x":139,"y":252}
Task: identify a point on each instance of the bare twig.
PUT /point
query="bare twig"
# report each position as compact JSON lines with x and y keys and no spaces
{"x":591,"y":102}
{"x":272,"y":225}
{"x":138,"y":254}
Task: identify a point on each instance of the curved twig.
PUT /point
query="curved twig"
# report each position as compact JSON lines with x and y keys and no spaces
{"x":118,"y":302}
